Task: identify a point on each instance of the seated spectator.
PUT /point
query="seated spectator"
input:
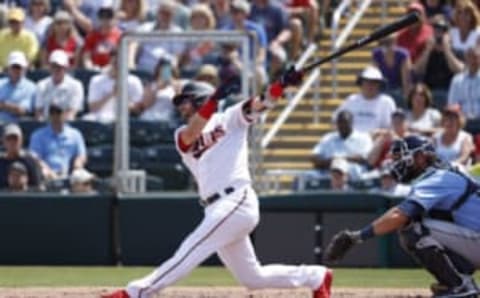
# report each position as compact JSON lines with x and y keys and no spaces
{"x":240,"y":10}
{"x":81,"y":182}
{"x":339,"y":175}
{"x":201,"y":18}
{"x":422,"y":118}
{"x":389,"y":185}
{"x":395,"y":65}
{"x":437,"y":7}
{"x":371,"y":108}
{"x":146,"y":54}
{"x":16,"y":37}
{"x":452,"y":143}
{"x":156,"y":104}
{"x":62,"y":36}
{"x":414,"y":38}
{"x":346,"y":143}
{"x":208,"y":73}
{"x":465,"y":86}
{"x":60,"y":147}
{"x":59,"y":87}
{"x":274,"y":18}
{"x":437,"y":63}
{"x":103,"y":93}
{"x":465,"y":33}
{"x":385,"y":138}
{"x":101,"y":41}
{"x":304,"y":16}
{"x":38,"y":20}
{"x":131,"y":14}
{"x":16,"y":91}
{"x":13,"y":142}
{"x":17,"y":177}
{"x":221,"y":10}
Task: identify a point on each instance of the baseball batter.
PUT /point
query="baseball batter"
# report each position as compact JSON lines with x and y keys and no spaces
{"x":214,"y":147}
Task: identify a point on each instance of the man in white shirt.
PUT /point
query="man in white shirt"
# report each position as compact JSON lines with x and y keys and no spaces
{"x":370,"y":107}
{"x":102,"y":93}
{"x":59,"y":87}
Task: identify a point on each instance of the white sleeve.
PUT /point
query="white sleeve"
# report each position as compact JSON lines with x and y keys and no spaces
{"x":39,"y":100}
{"x":94,"y":90}
{"x":235,"y":116}
{"x":135,"y":89}
{"x":389,"y":109}
{"x":78,"y":96}
{"x":342,"y":106}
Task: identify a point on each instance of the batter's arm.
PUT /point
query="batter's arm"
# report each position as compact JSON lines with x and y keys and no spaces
{"x":196,"y":123}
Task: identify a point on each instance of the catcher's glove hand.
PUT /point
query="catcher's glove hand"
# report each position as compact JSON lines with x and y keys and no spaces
{"x":340,"y":244}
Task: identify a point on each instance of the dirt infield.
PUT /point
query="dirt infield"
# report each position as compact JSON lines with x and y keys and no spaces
{"x":213,"y":292}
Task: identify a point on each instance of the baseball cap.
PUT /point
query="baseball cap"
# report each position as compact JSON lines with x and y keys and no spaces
{"x":81,"y":176}
{"x":17,"y":58}
{"x":59,"y":57}
{"x":18,"y":166}
{"x":241,"y":5}
{"x":16,"y":14}
{"x":399,"y":113}
{"x":62,"y":15}
{"x":371,"y":73}
{"x":12,"y":129}
{"x":207,"y":70}
{"x":339,"y":164}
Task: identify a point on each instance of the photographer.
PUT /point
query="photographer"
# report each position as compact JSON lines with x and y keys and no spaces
{"x":437,"y":64}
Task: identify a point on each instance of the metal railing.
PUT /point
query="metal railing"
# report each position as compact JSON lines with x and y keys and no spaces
{"x":338,"y":41}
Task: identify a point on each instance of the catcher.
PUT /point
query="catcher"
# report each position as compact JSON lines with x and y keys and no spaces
{"x":438,"y":222}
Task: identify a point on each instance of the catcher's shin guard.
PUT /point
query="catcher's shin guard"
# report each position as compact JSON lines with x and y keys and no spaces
{"x":415,"y":239}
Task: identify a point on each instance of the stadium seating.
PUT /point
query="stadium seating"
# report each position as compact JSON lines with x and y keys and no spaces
{"x":28,"y":126}
{"x":100,"y":159}
{"x":147,"y":133}
{"x":94,"y":133}
{"x":37,"y":74}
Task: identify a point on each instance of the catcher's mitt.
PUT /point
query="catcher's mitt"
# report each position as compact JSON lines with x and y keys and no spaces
{"x":340,"y":244}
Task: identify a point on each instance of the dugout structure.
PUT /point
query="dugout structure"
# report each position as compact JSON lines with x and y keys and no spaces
{"x":131,"y":181}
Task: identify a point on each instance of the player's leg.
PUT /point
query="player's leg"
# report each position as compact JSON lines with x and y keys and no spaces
{"x":239,"y":257}
{"x":223,"y":224}
{"x":417,"y":240}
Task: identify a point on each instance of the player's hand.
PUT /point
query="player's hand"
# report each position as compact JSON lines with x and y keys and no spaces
{"x":228,"y":87}
{"x":291,"y":77}
{"x":340,"y":244}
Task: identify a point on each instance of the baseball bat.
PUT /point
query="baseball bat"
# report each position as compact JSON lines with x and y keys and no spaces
{"x":381,"y":32}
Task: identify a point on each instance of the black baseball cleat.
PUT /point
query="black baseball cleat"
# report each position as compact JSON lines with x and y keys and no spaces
{"x":468,"y":289}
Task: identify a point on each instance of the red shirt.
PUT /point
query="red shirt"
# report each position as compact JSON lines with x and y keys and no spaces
{"x":298,"y":3}
{"x":414,"y":41}
{"x":100,"y":46}
{"x":70,"y":46}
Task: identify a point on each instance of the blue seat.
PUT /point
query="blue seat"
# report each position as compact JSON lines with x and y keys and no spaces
{"x":155,"y":183}
{"x":37,"y":74}
{"x":28,"y":126}
{"x":100,"y":159}
{"x":147,"y":133}
{"x":94,"y":133}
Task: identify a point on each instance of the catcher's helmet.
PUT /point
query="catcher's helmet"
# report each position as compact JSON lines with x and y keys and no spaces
{"x":403,"y":151}
{"x":196,"y":92}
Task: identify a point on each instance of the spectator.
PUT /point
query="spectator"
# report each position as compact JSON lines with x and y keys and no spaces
{"x":103,"y":93}
{"x":346,"y":143}
{"x":38,"y":21}
{"x":384,"y":139}
{"x":102,"y":41}
{"x":15,"y":37}
{"x":62,"y":35}
{"x":452,"y":143}
{"x":466,"y":31}
{"x":83,"y":12}
{"x":240,"y":10}
{"x":16,"y":92}
{"x":388,"y":184}
{"x":304,"y":14}
{"x":274,"y":19}
{"x":156,"y":104}
{"x":421,"y":117}
{"x":465,"y":86}
{"x":414,"y":38}
{"x":148,"y":53}
{"x":437,"y":7}
{"x":201,"y":18}
{"x":13,"y":142}
{"x":131,"y":14}
{"x":339,"y":175}
{"x":221,"y":10}
{"x":181,"y":13}
{"x":59,"y":87}
{"x":60,"y":146}
{"x":81,"y":182}
{"x":17,"y":177}
{"x":371,"y":108}
{"x":208,"y":73}
{"x":395,"y":65}
{"x":437,"y":64}
{"x":278,"y":62}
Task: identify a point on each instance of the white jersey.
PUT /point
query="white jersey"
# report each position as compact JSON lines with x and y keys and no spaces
{"x":219,"y":158}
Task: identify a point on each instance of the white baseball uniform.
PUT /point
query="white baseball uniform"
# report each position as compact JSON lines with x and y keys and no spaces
{"x":219,"y":163}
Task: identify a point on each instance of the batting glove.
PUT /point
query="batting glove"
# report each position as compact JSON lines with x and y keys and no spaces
{"x":291,"y":77}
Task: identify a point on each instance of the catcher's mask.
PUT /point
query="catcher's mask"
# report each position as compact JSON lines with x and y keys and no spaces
{"x":195,"y":92}
{"x":403,"y":151}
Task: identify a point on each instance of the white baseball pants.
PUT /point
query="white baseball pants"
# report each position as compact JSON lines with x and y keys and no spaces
{"x":225,"y":229}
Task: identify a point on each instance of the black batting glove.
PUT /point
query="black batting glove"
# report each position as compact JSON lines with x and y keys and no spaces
{"x":291,"y":77}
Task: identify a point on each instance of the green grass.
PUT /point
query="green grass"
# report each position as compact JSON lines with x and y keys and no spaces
{"x":23,"y":276}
